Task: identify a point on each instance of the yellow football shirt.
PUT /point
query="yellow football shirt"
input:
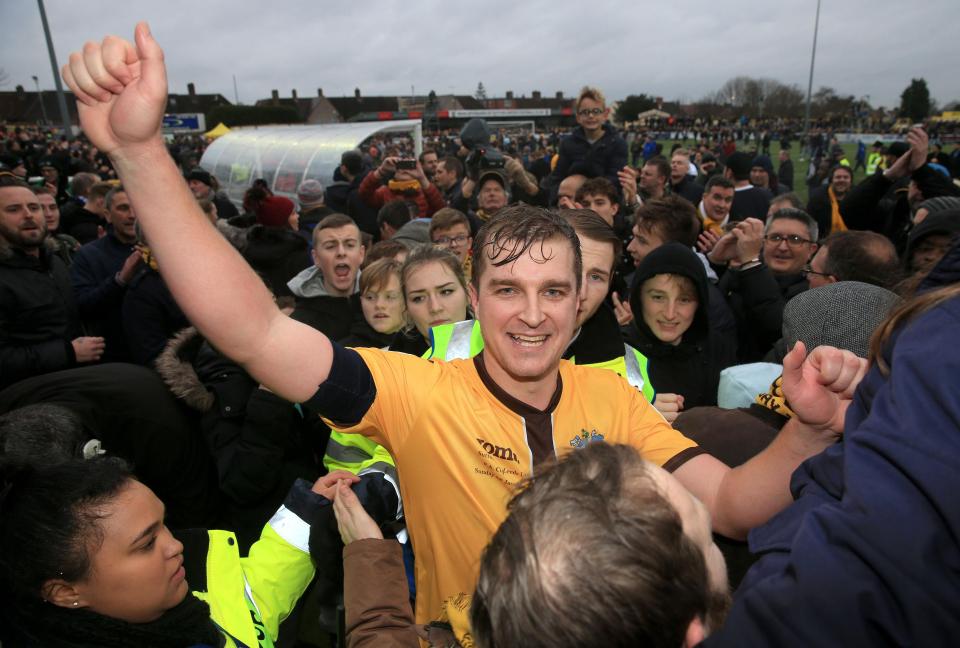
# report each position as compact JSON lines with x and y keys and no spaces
{"x":461,"y":445}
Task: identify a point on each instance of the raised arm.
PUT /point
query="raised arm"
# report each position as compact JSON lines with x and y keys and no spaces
{"x":819,"y":388}
{"x":121,"y":91}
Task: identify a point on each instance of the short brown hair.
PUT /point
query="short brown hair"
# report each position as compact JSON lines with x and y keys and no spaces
{"x":663,"y":166}
{"x":588,"y":92}
{"x":388,"y":249}
{"x":452,"y":164}
{"x":446,"y":218}
{"x":333,"y":221}
{"x":376,"y":275}
{"x":719,"y":181}
{"x":518,"y":228}
{"x":598,"y":187}
{"x":100,"y":190}
{"x":592,"y":533}
{"x":587,"y":224}
{"x":672,"y":217}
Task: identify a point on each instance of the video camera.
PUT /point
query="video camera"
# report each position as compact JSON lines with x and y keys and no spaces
{"x":475,"y":137}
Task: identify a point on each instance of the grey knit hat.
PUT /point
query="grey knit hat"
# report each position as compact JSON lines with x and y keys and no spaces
{"x":310,"y":193}
{"x":939,"y":204}
{"x":843,"y":315}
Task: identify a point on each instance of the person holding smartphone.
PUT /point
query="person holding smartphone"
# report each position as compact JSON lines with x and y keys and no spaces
{"x":403,"y":179}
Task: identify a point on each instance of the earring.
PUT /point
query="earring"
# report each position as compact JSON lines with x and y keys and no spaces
{"x":76,"y":603}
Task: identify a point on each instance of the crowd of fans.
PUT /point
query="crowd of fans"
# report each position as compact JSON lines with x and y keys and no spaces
{"x":538,"y":398}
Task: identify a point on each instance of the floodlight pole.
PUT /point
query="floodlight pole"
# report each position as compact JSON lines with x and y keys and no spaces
{"x":813,"y":56}
{"x":43,"y":107}
{"x":61,"y":98}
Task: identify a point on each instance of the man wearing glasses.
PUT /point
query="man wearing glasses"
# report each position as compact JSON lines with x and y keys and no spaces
{"x":594,"y":148}
{"x":764,"y":270}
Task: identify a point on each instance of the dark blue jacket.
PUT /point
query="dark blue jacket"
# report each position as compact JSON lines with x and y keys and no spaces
{"x":603,"y":158}
{"x":99,"y":296}
{"x":868,"y":553}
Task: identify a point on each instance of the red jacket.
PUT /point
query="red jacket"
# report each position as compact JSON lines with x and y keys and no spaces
{"x":376,"y":195}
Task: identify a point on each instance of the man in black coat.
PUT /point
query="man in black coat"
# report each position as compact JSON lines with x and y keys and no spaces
{"x":101,"y":271}
{"x":39,"y":329}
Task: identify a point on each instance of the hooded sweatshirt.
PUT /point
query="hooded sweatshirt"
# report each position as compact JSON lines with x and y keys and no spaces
{"x":691,"y":368}
{"x":330,"y":314}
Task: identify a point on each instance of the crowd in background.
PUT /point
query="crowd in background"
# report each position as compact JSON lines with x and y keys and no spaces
{"x":702,"y":273}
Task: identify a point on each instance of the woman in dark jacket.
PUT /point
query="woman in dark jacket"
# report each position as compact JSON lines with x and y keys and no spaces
{"x":671,"y":326}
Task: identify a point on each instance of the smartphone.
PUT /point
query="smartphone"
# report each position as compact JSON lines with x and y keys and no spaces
{"x":407,"y":163}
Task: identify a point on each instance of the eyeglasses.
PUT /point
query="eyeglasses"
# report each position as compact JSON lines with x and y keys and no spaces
{"x":590,"y":112}
{"x":455,"y":241}
{"x":793,"y":240}
{"x":807,"y":270}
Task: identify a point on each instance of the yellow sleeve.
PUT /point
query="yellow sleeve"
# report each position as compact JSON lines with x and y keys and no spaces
{"x":403,"y":384}
{"x":656,"y":440}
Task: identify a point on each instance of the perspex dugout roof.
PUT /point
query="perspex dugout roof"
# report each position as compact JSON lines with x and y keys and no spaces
{"x":285,"y":156}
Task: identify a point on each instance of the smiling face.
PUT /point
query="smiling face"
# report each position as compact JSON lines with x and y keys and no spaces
{"x":528,"y":312}
{"x":383,"y":306}
{"x":598,"y":259}
{"x":434,"y":296}
{"x":789,"y":255}
{"x":136,"y":573}
{"x":841,"y":181}
{"x":591,"y":115}
{"x":21,"y":218}
{"x":669,"y":305}
{"x":337,"y":252}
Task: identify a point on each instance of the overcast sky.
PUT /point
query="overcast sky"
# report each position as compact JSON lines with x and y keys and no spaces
{"x":675,"y":49}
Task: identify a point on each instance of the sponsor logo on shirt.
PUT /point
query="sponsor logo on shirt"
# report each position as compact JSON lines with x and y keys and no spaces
{"x":498,"y":452}
{"x":584,"y":438}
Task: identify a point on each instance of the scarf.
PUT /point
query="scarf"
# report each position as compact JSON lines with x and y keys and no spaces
{"x":710,"y":225}
{"x":186,"y":625}
{"x":836,"y":220}
{"x":405,"y":187}
{"x":775,"y":400}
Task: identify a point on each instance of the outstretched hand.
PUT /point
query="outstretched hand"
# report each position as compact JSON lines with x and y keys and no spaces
{"x":353,"y":521}
{"x":819,"y":386}
{"x":121,"y":90}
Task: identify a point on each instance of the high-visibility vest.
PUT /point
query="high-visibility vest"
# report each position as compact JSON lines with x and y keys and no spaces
{"x":464,"y":340}
{"x":874,"y":161}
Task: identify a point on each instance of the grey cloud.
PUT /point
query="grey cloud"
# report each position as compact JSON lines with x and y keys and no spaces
{"x":677,"y":49}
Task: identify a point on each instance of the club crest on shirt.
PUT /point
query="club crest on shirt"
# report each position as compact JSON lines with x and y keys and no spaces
{"x":584,"y":438}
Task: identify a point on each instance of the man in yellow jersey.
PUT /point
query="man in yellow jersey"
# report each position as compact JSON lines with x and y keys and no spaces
{"x":463,"y":433}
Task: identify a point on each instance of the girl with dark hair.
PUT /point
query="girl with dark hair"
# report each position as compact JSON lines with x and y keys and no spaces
{"x":86,"y":560}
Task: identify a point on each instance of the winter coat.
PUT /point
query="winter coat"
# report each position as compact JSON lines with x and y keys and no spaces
{"x":603,"y":158}
{"x":692,"y":367}
{"x":80,"y":223}
{"x":757,"y":298}
{"x":867,"y":553}
{"x":332,"y":315}
{"x":38,"y":318}
{"x":868,"y":205}
{"x":151,"y":316}
{"x":259,"y":442}
{"x":98,"y":293}
{"x":132,"y":413}
{"x":277,"y":254}
{"x":374,"y":194}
